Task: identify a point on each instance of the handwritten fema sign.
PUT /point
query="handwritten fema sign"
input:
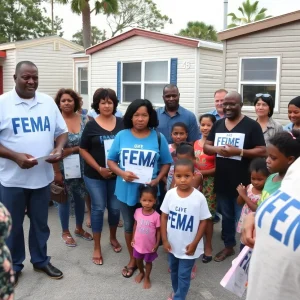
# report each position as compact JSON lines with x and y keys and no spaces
{"x":234,"y":139}
{"x":107,"y":146}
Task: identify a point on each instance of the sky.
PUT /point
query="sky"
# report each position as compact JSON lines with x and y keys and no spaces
{"x":181,"y":12}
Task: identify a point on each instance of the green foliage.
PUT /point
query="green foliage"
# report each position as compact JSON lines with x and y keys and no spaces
{"x":137,"y":13}
{"x":97,"y":36}
{"x":250,"y":13}
{"x":24,"y":19}
{"x":199,"y":30}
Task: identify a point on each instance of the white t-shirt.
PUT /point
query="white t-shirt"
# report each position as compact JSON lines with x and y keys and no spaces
{"x":184,"y":217}
{"x":274,"y":272}
{"x":28,"y":127}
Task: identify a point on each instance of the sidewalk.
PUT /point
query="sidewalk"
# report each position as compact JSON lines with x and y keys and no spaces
{"x":85,"y":281}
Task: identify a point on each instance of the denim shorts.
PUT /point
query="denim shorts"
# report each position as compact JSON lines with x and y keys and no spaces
{"x":127,"y":212}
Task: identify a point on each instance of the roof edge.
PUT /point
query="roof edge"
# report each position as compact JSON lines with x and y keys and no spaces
{"x":259,"y":25}
{"x":189,"y":42}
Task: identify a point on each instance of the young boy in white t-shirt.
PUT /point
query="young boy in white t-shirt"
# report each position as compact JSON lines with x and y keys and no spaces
{"x":183,"y":222}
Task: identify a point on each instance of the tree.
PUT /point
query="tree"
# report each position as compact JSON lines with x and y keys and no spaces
{"x":250,"y":13}
{"x":24,"y":19}
{"x":137,"y":13}
{"x":83,"y":7}
{"x":97,"y":36}
{"x":199,"y":30}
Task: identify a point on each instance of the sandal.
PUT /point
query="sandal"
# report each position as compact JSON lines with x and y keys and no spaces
{"x":129,"y":270}
{"x":99,"y":260}
{"x":206,"y":259}
{"x":222,"y":255}
{"x":84,"y":235}
{"x":117,"y":247}
{"x":68,"y":239}
{"x":88,"y":224}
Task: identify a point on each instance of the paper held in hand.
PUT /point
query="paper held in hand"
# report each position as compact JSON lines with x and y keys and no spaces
{"x":236,"y":279}
{"x":72,"y":166}
{"x":143,"y":173}
{"x":43,"y":158}
{"x":234,"y":139}
{"x":107,"y":146}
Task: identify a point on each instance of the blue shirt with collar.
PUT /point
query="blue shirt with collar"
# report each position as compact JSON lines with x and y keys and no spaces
{"x":288,"y":127}
{"x":215,"y":113}
{"x":183,"y":115}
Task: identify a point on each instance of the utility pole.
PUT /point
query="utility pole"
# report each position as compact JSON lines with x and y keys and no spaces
{"x":225,"y":13}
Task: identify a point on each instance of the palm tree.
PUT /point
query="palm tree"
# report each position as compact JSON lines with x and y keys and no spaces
{"x":199,"y":30}
{"x":250,"y":13}
{"x":83,"y":7}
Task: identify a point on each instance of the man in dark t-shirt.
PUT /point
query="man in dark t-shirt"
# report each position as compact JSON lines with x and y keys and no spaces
{"x":235,"y":140}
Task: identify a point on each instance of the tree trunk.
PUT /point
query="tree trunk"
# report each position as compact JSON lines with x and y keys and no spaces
{"x":52,"y":17}
{"x":86,"y":25}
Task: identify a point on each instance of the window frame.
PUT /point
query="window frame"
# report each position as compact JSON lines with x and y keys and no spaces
{"x":143,"y":82}
{"x":81,"y":65}
{"x":277,"y":82}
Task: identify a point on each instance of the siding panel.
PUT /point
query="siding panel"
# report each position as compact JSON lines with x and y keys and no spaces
{"x":210,"y":78}
{"x":9,"y":64}
{"x":283,"y":41}
{"x":55,"y":67}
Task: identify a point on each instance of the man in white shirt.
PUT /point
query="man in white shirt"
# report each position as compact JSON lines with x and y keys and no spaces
{"x":29,"y":124}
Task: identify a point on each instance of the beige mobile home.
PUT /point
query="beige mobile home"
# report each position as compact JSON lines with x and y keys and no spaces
{"x":138,"y":63}
{"x":52,"y":55}
{"x":264,"y":57}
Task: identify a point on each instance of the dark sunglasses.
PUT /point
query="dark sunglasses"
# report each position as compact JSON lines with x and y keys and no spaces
{"x":263,"y":95}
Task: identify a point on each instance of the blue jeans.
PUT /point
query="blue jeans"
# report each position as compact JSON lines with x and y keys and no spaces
{"x":231,"y":213}
{"x":36,"y":201}
{"x":102,"y":193}
{"x":128,"y":216}
{"x":181,"y":270}
{"x":64,"y":211}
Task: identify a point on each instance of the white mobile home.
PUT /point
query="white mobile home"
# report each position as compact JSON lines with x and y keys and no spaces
{"x":52,"y":55}
{"x":138,"y":63}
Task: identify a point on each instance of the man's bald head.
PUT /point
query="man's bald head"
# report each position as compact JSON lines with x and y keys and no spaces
{"x":236,"y":96}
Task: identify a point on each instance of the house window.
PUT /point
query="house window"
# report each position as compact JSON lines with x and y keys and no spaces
{"x":144,"y":79}
{"x":83,"y":80}
{"x":259,"y":75}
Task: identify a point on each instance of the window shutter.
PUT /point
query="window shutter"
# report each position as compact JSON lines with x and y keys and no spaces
{"x":173,"y":72}
{"x":119,"y":80}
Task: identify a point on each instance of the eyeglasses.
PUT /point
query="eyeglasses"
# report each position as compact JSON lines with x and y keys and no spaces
{"x":263,"y":95}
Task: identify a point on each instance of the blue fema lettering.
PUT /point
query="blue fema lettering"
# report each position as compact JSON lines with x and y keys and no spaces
{"x":177,"y":221}
{"x":289,"y":211}
{"x":222,"y":141}
{"x":246,"y":261}
{"x":30,"y":124}
{"x":139,"y":157}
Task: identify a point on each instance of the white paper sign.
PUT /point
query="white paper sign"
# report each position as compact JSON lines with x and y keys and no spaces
{"x":72,"y":166}
{"x":107,"y":146}
{"x":143,"y":173}
{"x":43,"y":158}
{"x":235,"y":139}
{"x":236,"y":279}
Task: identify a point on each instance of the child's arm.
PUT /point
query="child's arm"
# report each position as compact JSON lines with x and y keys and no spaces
{"x":198,"y":180}
{"x":210,"y":172}
{"x":191,"y":248}
{"x":133,"y":234}
{"x":157,"y":239}
{"x":163,"y":231}
{"x":243,"y":198}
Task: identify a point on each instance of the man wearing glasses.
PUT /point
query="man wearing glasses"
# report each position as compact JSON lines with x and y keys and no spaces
{"x":235,"y":140}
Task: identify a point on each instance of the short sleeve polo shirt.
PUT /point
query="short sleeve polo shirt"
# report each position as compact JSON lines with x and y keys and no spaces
{"x":28,"y":128}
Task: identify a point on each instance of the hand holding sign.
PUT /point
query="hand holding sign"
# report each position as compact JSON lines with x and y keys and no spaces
{"x":129,"y":176}
{"x":229,"y":151}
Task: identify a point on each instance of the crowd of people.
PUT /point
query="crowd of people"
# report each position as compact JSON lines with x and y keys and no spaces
{"x":168,"y":174}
